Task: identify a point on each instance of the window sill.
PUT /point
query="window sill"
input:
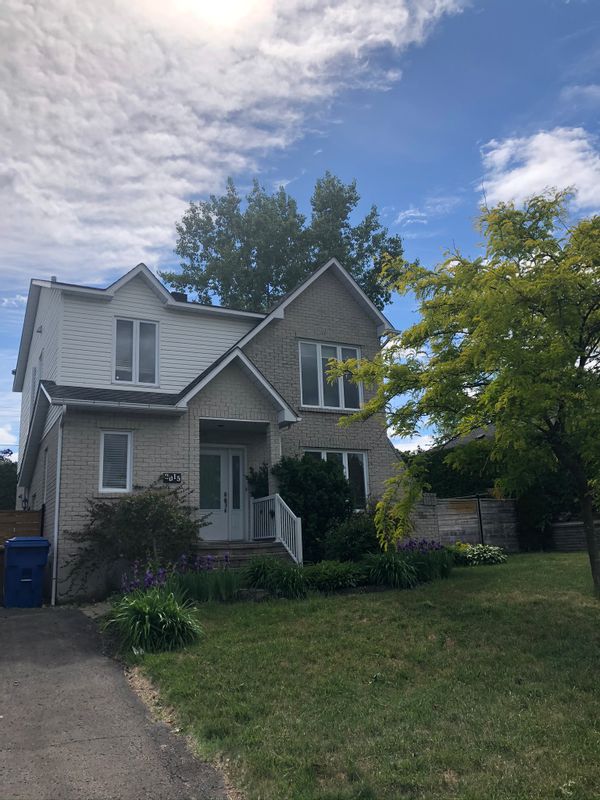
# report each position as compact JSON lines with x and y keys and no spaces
{"x":338,"y":411}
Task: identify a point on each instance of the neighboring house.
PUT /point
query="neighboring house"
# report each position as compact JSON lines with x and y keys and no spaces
{"x":124,"y":384}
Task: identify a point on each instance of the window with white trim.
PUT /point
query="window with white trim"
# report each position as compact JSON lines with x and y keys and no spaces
{"x":136,"y":351}
{"x":316,"y":390}
{"x":115,"y":461}
{"x":354,"y":465}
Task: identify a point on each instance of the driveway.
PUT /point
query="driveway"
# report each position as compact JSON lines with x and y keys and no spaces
{"x":72,"y":729}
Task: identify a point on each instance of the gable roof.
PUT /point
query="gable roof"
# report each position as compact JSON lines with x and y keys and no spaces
{"x":106,"y":295}
{"x":286,"y":416}
{"x":278,"y":312}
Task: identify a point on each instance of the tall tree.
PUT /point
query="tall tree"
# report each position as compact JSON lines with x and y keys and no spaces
{"x":511,"y":338}
{"x":8,"y":481}
{"x":250,"y":255}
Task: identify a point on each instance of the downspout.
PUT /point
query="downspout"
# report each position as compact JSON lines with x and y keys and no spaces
{"x":57,"y":508}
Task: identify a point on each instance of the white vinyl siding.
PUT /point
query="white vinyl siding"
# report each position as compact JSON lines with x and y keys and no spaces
{"x":189,"y":341}
{"x":46,"y":335}
{"x":136,"y":352}
{"x":354,"y":464}
{"x":316,"y":390}
{"x":115,"y":461}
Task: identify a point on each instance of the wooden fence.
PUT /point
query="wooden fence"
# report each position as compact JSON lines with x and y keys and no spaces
{"x":17,"y":523}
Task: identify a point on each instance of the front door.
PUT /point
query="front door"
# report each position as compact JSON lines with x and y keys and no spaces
{"x":222,"y":493}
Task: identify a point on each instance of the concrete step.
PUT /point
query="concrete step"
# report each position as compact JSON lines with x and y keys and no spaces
{"x":240,"y":553}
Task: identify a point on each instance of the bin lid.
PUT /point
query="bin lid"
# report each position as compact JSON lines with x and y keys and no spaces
{"x":27,"y":541}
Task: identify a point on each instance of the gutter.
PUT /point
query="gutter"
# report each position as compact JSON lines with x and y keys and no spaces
{"x":57,"y":509}
{"x":112,"y":405}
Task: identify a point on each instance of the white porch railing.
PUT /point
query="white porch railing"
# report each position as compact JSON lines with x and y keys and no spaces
{"x":272,"y":518}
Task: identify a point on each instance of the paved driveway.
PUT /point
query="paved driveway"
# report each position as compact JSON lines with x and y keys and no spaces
{"x":72,"y":729}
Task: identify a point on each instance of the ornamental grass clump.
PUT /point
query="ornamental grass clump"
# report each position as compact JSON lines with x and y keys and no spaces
{"x":430,"y":559}
{"x":276,"y":577}
{"x":153,"y":620}
{"x":390,"y":569}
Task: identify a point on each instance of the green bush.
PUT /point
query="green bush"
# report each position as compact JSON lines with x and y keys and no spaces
{"x":351,"y":539}
{"x":276,"y":577}
{"x":390,"y":569}
{"x":155,"y":524}
{"x":473,"y":555}
{"x":332,"y":576}
{"x":431,"y":565}
{"x":152,"y":621}
{"x":317,"y":491}
{"x":222,"y":585}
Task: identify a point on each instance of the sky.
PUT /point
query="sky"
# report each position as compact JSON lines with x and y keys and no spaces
{"x":114,"y":115}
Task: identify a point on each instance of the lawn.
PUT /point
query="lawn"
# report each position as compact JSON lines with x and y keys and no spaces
{"x":485,"y":686}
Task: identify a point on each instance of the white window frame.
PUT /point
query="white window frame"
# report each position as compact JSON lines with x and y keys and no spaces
{"x":320,"y":377}
{"x":135,"y":365}
{"x":111,"y":489}
{"x":345,"y":454}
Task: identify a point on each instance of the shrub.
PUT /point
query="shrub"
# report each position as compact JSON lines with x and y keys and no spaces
{"x":152,"y":621}
{"x":221,"y":584}
{"x":390,"y":569}
{"x":472,"y":555}
{"x":332,"y":576}
{"x":317,"y":491}
{"x":430,"y":559}
{"x":276,"y":577}
{"x":351,"y":539}
{"x":153,"y":524}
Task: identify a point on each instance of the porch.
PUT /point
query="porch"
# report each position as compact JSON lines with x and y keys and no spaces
{"x":237,"y":522}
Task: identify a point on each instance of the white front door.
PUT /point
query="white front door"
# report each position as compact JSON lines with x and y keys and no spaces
{"x":222,"y":493}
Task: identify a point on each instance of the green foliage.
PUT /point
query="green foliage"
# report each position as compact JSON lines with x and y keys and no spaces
{"x":510,"y":338}
{"x":391,"y":569}
{"x":351,"y":539}
{"x":472,"y":555}
{"x":333,"y":576}
{"x":431,"y":565}
{"x":152,"y":621}
{"x":393,"y":514}
{"x":250,"y":257}
{"x":258,"y":481}
{"x":221,"y":585}
{"x":154,"y":524}
{"x":8,"y":482}
{"x":276,"y":577}
{"x":319,"y":493}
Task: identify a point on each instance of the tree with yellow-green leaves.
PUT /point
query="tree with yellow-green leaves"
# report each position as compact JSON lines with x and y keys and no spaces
{"x":510,"y":339}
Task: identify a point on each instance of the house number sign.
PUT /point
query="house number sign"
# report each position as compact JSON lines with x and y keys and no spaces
{"x":171,"y":477}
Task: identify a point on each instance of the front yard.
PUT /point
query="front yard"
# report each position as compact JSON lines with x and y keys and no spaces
{"x":481,"y":687}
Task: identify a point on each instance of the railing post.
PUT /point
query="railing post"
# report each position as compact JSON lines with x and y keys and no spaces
{"x":252,"y":518}
{"x":277,"y":518}
{"x":298,"y":525}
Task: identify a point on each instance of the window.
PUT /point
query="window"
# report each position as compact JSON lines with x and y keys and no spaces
{"x":136,"y":351}
{"x":115,"y":461}
{"x":316,"y":389}
{"x":355,"y":469}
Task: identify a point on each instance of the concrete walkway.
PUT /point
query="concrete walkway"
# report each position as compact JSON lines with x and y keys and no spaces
{"x":72,"y":729}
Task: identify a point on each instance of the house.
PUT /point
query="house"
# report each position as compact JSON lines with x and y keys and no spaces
{"x":131,"y":384}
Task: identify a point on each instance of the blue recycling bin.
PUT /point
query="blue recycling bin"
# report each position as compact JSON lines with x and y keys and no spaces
{"x":25,"y":559}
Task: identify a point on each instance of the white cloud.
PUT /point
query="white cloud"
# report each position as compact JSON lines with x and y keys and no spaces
{"x":582,"y":94}
{"x":516,"y":168}
{"x":113,"y":115}
{"x":16,"y":301}
{"x":438,"y":205}
{"x":7,"y":437}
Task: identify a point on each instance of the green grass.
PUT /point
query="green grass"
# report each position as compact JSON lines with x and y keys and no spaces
{"x":485,"y":686}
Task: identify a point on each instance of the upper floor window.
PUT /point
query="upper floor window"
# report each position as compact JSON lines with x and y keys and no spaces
{"x":136,"y":351}
{"x":317,"y":391}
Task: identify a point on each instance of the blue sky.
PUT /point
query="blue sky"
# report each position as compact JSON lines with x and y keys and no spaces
{"x":112,"y":116}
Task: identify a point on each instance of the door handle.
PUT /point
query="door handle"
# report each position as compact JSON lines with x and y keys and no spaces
{"x":225,"y":502}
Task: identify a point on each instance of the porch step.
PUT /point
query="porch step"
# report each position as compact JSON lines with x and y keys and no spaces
{"x":240,"y":553}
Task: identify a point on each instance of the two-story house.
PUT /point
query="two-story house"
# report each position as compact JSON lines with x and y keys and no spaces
{"x":131,"y":384}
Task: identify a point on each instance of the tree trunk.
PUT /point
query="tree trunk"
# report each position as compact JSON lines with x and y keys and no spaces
{"x":592,"y":537}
